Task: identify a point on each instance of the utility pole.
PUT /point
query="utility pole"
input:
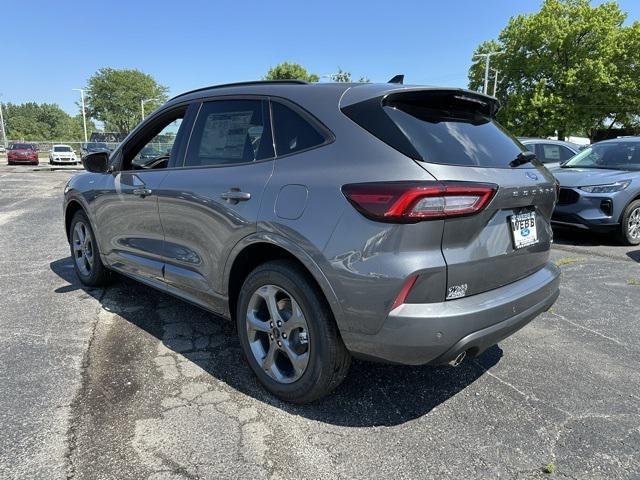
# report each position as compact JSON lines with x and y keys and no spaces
{"x":84,"y":117}
{"x":487,"y":57}
{"x":4,"y":134}
{"x":142,"y":102}
{"x":495,"y":81}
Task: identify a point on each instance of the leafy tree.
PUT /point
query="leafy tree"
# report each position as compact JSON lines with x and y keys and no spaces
{"x":569,"y":68}
{"x":114,"y":97}
{"x":290,"y":71}
{"x":42,"y":122}
{"x":341,"y":76}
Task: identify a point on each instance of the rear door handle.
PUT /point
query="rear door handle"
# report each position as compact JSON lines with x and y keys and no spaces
{"x":235,"y":196}
{"x":143,"y":192}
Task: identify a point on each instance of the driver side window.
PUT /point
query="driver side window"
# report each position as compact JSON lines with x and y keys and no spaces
{"x":154,"y":146}
{"x":156,"y":153}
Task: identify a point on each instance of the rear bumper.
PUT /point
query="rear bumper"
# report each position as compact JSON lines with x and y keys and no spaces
{"x":416,"y":334}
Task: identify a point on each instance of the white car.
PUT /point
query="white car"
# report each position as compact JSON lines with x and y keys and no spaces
{"x":62,"y":154}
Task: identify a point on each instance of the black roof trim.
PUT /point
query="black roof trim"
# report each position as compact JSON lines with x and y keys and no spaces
{"x":242,"y":84}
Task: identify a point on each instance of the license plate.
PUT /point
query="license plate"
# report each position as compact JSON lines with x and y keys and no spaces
{"x":523,"y":227}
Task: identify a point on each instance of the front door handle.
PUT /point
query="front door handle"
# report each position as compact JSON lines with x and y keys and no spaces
{"x":235,"y":196}
{"x":143,"y":192}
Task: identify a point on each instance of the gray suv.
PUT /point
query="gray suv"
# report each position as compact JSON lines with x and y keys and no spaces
{"x":382,"y":221}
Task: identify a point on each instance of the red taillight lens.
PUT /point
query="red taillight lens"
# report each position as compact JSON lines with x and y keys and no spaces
{"x":408,"y":202}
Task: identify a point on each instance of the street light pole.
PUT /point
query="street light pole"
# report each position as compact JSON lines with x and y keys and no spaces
{"x":495,"y":81}
{"x":142,"y":102}
{"x":84,"y":117}
{"x":487,"y":57}
{"x":4,"y":134}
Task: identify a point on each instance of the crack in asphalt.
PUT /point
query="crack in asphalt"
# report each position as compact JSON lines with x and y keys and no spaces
{"x":84,"y":381}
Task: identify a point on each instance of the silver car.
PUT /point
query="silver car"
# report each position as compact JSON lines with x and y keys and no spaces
{"x":552,"y":153}
{"x":395,"y":223}
{"x":600,"y":190}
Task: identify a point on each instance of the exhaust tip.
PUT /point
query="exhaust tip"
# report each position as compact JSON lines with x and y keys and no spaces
{"x":458,"y":360}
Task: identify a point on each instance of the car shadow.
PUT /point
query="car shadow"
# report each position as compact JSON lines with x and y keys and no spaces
{"x":584,"y":238}
{"x":372,"y":394}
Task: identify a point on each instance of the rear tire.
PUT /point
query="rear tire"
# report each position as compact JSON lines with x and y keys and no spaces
{"x":630,"y":225}
{"x":85,"y":253}
{"x":302,"y":358}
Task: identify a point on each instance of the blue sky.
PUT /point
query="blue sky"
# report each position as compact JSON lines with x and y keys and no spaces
{"x":54,"y":46}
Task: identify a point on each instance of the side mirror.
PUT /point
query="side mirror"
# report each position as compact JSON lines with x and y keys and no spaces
{"x":97,"y":162}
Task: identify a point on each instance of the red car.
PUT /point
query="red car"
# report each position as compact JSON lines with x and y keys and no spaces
{"x":22,"y":153}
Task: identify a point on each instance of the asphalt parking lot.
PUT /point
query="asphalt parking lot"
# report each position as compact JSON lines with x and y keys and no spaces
{"x":126,"y":382}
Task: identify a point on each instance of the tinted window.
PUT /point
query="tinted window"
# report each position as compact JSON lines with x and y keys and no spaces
{"x":292,"y":132}
{"x":21,"y":146}
{"x":61,"y":149}
{"x":565,"y":154}
{"x":455,"y":137}
{"x":230,"y":131}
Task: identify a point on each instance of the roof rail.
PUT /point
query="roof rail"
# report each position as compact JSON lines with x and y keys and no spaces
{"x":242,"y":84}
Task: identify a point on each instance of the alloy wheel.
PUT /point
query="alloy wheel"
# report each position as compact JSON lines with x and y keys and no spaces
{"x":633,"y":224}
{"x":83,"y":252}
{"x":278,"y":333}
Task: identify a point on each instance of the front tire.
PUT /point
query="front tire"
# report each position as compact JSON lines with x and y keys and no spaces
{"x":630,"y":224}
{"x":288,"y":333}
{"x":85,"y":253}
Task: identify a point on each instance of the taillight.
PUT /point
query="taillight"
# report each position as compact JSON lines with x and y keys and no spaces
{"x":409,"y":202}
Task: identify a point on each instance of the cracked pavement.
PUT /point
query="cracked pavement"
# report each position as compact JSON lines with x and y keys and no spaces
{"x":126,"y":382}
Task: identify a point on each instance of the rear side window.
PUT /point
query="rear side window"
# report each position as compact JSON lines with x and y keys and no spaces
{"x":292,"y":132}
{"x":450,"y":127}
{"x":230,"y":131}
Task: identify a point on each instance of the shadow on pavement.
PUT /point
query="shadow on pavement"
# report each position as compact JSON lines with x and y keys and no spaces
{"x":586,"y":238}
{"x":635,"y":255}
{"x":371,"y":395}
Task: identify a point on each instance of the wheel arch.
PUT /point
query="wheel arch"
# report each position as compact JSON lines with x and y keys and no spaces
{"x":631,"y":200}
{"x":70,"y":210}
{"x":260,"y":248}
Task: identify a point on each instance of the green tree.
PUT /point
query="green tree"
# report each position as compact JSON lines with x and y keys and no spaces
{"x":341,"y":76}
{"x":290,"y":71}
{"x":569,"y":68}
{"x":42,"y":122}
{"x":114,"y":97}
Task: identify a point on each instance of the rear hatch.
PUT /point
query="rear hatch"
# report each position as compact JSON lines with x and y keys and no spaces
{"x":452,"y":134}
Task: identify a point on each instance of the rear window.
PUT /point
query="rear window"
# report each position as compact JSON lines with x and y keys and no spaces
{"x":455,"y":137}
{"x":21,"y":146}
{"x":449,"y":127}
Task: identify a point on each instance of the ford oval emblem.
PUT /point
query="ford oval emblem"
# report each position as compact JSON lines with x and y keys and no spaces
{"x":532,"y":176}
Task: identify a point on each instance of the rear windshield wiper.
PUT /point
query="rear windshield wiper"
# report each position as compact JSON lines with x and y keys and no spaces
{"x":523,"y":157}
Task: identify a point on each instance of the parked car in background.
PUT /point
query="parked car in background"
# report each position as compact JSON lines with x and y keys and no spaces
{"x":2,"y":149}
{"x":395,"y":223}
{"x":551,"y":152}
{"x":22,"y":153}
{"x":600,"y":189}
{"x":92,"y":147}
{"x":62,"y":154}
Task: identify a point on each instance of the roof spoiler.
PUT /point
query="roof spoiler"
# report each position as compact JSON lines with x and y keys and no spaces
{"x":399,"y":79}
